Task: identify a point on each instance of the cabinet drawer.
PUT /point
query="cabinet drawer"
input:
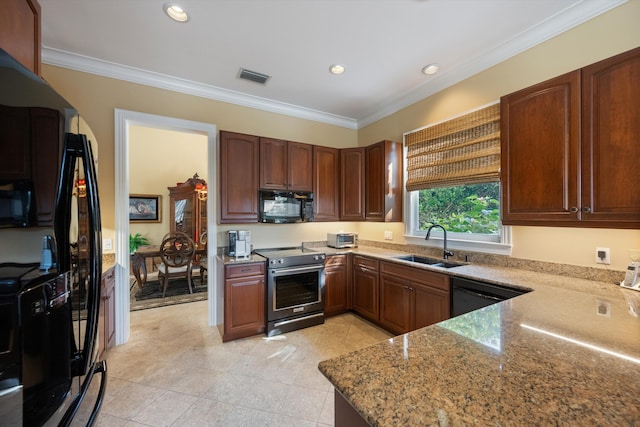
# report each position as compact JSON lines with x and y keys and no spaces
{"x":419,"y":275}
{"x":359,"y":261}
{"x":244,"y":270}
{"x":335,"y":261}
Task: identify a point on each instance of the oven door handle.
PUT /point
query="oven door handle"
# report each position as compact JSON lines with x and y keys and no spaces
{"x":292,"y":270}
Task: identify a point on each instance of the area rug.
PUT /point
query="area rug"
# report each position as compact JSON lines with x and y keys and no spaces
{"x":150,"y":296}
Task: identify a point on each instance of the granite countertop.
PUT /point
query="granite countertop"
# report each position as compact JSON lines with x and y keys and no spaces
{"x":567,"y":353}
{"x":229,"y":260}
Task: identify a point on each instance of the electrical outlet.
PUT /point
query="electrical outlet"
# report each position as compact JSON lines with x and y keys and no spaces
{"x":603,"y":308}
{"x":634,"y":255}
{"x":603,"y":256}
{"x":107,"y":245}
{"x":388,"y":235}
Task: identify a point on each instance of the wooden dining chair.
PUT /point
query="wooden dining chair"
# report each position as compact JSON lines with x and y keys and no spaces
{"x":204,"y":270}
{"x":176,"y":255}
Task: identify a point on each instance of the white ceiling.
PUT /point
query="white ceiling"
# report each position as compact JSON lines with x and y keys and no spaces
{"x":383,"y":43}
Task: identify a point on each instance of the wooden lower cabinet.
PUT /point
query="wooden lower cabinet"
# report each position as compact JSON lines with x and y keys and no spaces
{"x":395,"y":304}
{"x":336,"y":285}
{"x":366,"y":293}
{"x":412,"y":298}
{"x":107,"y":314}
{"x":345,"y":415}
{"x":244,"y":300}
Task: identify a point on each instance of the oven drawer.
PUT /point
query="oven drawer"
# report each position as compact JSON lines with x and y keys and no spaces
{"x":242,"y":270}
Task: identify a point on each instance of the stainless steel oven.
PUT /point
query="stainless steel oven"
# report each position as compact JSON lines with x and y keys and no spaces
{"x":295,"y":289}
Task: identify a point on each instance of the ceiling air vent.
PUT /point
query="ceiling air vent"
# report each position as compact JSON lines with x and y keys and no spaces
{"x":253,"y":76}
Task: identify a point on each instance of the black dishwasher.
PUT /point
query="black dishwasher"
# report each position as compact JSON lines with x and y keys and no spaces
{"x":468,"y":295}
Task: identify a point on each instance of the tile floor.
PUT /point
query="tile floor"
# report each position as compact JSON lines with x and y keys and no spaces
{"x":175,"y":371}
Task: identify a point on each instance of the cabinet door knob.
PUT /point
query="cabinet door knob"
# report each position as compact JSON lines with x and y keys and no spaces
{"x":573,"y":209}
{"x":586,"y":209}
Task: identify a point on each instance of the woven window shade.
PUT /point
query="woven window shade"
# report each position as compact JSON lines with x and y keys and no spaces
{"x":464,"y":150}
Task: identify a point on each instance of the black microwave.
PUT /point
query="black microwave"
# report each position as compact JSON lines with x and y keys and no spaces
{"x":17,"y":206}
{"x":285,"y":206}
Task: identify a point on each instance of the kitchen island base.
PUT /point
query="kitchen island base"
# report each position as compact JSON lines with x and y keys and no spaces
{"x":345,"y":414}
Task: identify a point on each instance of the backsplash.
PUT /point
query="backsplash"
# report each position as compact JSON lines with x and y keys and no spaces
{"x":578,"y":272}
{"x":108,"y":260}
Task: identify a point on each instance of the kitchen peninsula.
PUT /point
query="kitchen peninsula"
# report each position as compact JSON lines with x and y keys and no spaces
{"x":567,"y":353}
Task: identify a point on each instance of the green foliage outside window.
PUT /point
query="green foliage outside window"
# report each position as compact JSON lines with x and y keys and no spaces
{"x":462,"y":209}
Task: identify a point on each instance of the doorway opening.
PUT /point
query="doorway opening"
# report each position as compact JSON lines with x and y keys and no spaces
{"x":124,"y":122}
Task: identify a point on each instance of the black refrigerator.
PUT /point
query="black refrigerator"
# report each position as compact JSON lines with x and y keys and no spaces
{"x":50,"y":258}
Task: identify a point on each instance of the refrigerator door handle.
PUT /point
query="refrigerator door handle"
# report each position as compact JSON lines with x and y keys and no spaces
{"x":76,"y":148}
{"x":101,"y":368}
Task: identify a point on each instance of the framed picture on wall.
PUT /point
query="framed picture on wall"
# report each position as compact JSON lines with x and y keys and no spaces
{"x":145,"y":208}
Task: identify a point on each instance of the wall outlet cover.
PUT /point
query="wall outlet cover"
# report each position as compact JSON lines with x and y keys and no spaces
{"x":388,"y":235}
{"x":603,"y":256}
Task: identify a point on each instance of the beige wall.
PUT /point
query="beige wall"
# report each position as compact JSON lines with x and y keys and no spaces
{"x":611,"y":33}
{"x":97,"y":98}
{"x":160,"y":159}
{"x":602,"y":37}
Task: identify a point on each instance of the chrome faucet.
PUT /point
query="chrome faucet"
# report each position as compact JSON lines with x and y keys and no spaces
{"x":446,"y":253}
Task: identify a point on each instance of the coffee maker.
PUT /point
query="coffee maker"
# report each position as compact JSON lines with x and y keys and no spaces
{"x":239,"y":244}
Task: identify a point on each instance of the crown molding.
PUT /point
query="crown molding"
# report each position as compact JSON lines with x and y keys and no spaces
{"x":112,"y":70}
{"x":557,"y":24}
{"x":561,"y":22}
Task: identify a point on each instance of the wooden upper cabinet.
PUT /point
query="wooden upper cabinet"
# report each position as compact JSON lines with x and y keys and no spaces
{"x":352,"y":177}
{"x":300,"y":157}
{"x":20,"y":32}
{"x":239,"y":167}
{"x":285,"y":165}
{"x":383,"y":182}
{"x":611,"y":141}
{"x":273,"y":164}
{"x":326,"y":183}
{"x":570,"y":150}
{"x":540,"y":130}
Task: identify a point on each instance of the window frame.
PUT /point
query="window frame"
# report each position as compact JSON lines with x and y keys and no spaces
{"x":455,"y":241}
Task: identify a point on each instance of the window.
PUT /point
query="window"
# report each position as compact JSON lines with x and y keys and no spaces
{"x":470,"y":213}
{"x":452,"y":179}
{"x":461,"y":209}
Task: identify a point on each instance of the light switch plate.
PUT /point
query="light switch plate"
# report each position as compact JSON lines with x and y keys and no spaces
{"x":107,"y":244}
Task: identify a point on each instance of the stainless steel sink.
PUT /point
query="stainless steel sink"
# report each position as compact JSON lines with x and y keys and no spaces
{"x":435,"y":262}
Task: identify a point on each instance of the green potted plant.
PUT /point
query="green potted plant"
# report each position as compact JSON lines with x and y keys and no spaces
{"x":136,"y":241}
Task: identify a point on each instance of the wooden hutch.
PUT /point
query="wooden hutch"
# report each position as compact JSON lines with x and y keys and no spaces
{"x":188,"y":207}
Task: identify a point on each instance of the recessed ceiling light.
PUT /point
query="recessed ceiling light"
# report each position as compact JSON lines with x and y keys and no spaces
{"x":175,"y":12}
{"x":431,"y":69}
{"x":337,"y":69}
